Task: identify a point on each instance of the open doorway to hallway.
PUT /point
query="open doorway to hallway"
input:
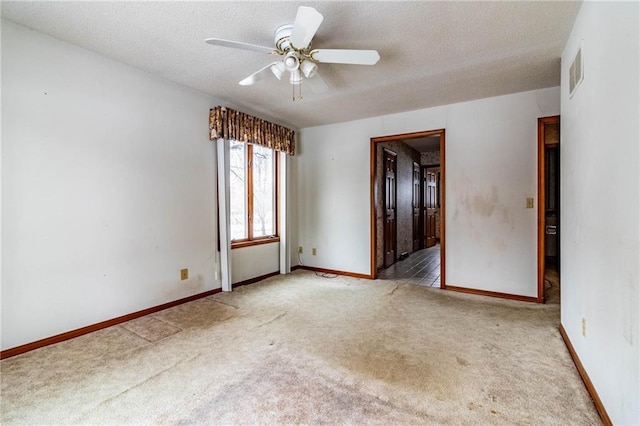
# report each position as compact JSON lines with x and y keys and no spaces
{"x":407,"y":207}
{"x":421,"y":268}
{"x":549,"y":209}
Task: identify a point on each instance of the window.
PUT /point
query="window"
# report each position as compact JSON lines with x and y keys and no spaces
{"x":253,"y":194}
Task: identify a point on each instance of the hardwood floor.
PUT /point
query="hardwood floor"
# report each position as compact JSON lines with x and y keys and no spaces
{"x":421,"y":267}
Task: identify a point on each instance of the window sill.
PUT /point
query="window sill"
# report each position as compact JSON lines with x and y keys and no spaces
{"x":241,"y":244}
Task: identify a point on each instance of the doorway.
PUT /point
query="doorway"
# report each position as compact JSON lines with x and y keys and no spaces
{"x":419,"y":207}
{"x":430,"y":204}
{"x":549,"y":209}
{"x":390,"y":209}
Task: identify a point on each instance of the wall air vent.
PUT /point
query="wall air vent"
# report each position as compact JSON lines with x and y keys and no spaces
{"x":576,"y":73}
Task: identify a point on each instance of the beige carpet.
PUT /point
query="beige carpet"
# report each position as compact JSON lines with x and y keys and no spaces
{"x":305,"y":349}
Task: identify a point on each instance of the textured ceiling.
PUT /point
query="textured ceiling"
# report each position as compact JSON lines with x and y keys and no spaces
{"x":428,"y":144}
{"x":432,"y":53}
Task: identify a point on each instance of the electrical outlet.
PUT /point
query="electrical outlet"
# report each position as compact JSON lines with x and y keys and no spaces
{"x":314,"y":251}
{"x":584,"y":327}
{"x":529,"y":203}
{"x":184,"y":274}
{"x":300,"y":251}
{"x":215,"y":275}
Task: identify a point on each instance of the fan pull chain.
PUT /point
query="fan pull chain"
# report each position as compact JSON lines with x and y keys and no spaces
{"x":299,"y":97}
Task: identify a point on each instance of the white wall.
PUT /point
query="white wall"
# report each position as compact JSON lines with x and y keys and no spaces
{"x":600,"y":192}
{"x":491,"y":168}
{"x":333,"y":197}
{"x":292,"y":213}
{"x":254,"y":261}
{"x":107,"y":188}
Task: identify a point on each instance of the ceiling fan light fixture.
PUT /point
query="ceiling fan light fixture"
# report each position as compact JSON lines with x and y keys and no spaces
{"x":295,"y":77}
{"x":278,"y":69}
{"x":309,"y":68}
{"x":295,"y":55}
{"x":291,"y":62}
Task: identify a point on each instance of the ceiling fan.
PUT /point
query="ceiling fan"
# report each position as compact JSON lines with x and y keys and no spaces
{"x":293,"y":46}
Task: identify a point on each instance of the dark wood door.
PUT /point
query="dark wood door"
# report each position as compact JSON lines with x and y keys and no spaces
{"x":390,"y":199}
{"x":430,"y":207}
{"x":416,"y":203}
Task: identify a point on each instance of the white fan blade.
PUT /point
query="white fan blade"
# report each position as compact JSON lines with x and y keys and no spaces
{"x":316,"y":84}
{"x":256,"y":75}
{"x":239,"y":45}
{"x":307,"y":22}
{"x":345,"y":56}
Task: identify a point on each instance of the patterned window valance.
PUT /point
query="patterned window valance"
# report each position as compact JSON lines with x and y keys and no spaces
{"x":230,"y":124}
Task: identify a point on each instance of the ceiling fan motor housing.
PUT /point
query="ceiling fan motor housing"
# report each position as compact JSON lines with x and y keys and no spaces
{"x":282,"y":37}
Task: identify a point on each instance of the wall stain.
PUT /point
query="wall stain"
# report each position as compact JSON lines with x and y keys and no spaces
{"x":480,"y":205}
{"x":485,"y":204}
{"x":501,"y":245}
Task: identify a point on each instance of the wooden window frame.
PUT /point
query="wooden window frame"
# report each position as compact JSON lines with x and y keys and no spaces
{"x":250,"y":240}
